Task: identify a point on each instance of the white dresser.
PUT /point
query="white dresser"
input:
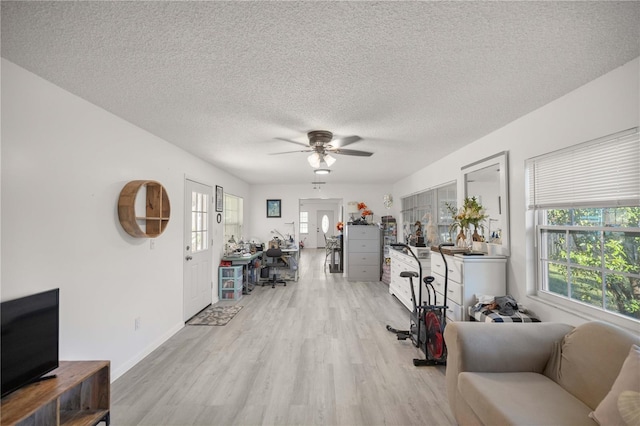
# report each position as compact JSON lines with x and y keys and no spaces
{"x":399,"y":286}
{"x":363,"y":253}
{"x":468,"y":276}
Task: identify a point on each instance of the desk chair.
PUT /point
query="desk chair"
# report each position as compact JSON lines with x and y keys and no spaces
{"x":331,"y":246}
{"x":275,"y":254}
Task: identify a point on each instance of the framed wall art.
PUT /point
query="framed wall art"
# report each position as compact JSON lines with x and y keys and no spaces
{"x":274,"y":208}
{"x":219,"y":198}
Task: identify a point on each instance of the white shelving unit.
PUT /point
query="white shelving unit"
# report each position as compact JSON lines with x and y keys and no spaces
{"x":230,"y":282}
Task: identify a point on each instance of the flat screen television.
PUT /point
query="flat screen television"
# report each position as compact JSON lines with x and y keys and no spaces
{"x":29,"y":345}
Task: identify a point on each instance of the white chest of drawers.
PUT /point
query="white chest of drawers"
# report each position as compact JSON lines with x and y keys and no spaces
{"x":399,"y":286}
{"x":363,"y":252}
{"x":468,"y":277}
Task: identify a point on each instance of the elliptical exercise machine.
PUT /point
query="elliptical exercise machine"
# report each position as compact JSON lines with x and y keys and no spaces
{"x":427,"y":321}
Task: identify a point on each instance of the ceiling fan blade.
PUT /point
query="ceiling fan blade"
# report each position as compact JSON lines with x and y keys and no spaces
{"x":347,"y":140}
{"x":291,"y":152}
{"x":350,"y":152}
{"x":295,"y":142}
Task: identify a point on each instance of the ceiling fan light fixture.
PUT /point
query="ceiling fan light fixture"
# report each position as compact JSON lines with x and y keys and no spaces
{"x":314,"y":160}
{"x":329,"y":160}
{"x":322,"y":171}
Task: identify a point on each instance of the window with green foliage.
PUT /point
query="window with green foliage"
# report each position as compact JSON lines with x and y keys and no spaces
{"x":592,"y":256}
{"x":586,"y":204}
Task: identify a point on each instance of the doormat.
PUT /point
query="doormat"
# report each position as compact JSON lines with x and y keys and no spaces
{"x":215,"y":315}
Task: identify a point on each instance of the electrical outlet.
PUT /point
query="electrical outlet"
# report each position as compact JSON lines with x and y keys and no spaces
{"x":152,"y":243}
{"x":138,"y":323}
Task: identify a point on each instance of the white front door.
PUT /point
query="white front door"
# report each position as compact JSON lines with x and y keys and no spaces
{"x":197,"y":251}
{"x":324,"y":225}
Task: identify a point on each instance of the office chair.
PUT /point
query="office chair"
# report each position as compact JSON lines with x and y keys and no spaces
{"x":331,"y":246}
{"x":275,"y":254}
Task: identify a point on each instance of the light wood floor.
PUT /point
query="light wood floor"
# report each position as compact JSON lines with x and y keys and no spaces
{"x":315,"y":352}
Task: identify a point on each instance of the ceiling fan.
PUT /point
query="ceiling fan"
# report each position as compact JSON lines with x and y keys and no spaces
{"x":322,"y":145}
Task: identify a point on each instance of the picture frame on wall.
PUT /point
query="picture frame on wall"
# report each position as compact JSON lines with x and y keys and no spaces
{"x":274,"y":208}
{"x":219,"y":198}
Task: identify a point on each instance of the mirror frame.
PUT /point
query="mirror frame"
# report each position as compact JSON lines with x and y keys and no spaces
{"x":501,"y":159}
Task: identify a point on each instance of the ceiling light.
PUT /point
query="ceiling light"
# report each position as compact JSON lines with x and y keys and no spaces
{"x":314,"y":160}
{"x":318,"y":159}
{"x":322,"y":171}
{"x":329,"y":160}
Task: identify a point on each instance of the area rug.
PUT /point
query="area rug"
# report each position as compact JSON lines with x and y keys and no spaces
{"x":215,"y":315}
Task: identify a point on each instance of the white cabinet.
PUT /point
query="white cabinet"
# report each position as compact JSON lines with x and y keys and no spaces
{"x":363,"y":252}
{"x":468,"y":277}
{"x":399,"y":286}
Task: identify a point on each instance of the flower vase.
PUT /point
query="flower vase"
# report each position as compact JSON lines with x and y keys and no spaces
{"x":461,"y":239}
{"x":476,"y":236}
{"x":469,"y":239}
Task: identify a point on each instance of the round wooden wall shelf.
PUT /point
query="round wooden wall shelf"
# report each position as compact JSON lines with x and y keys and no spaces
{"x":157,"y":212}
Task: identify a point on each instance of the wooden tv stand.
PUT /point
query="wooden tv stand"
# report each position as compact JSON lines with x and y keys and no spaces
{"x":78,"y":395}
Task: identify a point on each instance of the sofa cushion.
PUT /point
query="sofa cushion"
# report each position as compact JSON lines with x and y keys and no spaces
{"x":591,"y":357}
{"x":521,"y":398}
{"x":607,"y":412}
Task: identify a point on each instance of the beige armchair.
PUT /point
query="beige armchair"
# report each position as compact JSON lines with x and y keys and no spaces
{"x":532,"y":373}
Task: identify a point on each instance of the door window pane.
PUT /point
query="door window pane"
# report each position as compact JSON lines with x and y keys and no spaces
{"x":325,"y":224}
{"x":199,"y":222}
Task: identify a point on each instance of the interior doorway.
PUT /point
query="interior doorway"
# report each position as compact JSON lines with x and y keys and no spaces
{"x":311,"y":232}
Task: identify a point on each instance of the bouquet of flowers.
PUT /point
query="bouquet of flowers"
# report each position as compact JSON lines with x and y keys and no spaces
{"x":340,"y":226}
{"x":471,"y":213}
{"x":364,"y":212}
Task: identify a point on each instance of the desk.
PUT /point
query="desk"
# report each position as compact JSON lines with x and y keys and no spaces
{"x":247,"y":262}
{"x":291,"y":257}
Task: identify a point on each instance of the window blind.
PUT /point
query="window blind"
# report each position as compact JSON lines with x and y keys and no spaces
{"x":601,"y":173}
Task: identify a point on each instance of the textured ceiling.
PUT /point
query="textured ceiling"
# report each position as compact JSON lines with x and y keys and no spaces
{"x":416,"y":80}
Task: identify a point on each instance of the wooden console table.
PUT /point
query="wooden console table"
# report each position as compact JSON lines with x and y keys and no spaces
{"x":78,"y":395}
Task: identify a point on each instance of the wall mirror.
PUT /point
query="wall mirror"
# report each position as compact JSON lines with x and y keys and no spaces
{"x":488,"y":181}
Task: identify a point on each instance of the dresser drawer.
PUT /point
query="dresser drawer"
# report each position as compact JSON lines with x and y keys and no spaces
{"x":405,"y":264}
{"x":454,"y":290}
{"x":364,"y":259}
{"x":367,"y":246}
{"x":454,"y":312}
{"x":401,"y":290}
{"x":455,"y":267}
{"x":363,"y":273}
{"x":363,"y":232}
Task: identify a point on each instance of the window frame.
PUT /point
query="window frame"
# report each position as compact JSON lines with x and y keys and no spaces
{"x":304,"y":223}
{"x":431,"y":201}
{"x":537,"y":217}
{"x":233,"y":217}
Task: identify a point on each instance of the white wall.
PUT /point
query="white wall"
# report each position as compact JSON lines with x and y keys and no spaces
{"x":64,"y":162}
{"x":290,"y":195}
{"x":601,"y":107}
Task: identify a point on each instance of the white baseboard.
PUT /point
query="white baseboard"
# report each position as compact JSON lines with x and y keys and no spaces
{"x":140,"y":356}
